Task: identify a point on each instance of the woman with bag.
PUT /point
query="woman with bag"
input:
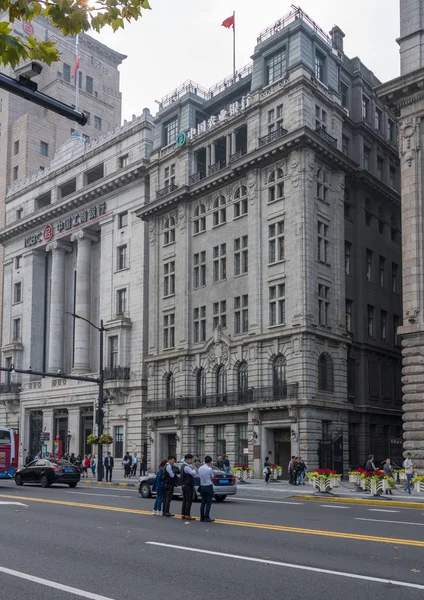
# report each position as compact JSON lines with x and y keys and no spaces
{"x":267,"y":470}
{"x":159,"y":488}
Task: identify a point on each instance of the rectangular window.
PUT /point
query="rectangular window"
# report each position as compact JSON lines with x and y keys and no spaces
{"x":370,"y":320}
{"x":368,"y":265}
{"x":380,"y":167}
{"x":220,"y":314}
{"x":122,"y":220}
{"x":113,"y":351}
{"x":169,"y":176}
{"x":395,"y":324}
{"x":220,"y":263}
{"x":275,"y":67}
{"x":348,"y":258}
{"x":381,"y":270}
{"x":276,"y":242}
{"x":383,"y":325}
{"x":199,"y":269}
{"x":170,"y":131}
{"x":169,"y":330}
{"x":378,"y":119}
{"x":323,"y":242}
{"x":367,"y":153}
{"x":88,"y":84}
{"x":122,"y":257}
{"x":118,"y":441}
{"x":392,"y":177}
{"x":97,"y":123}
{"x":169,"y":278}
{"x":16,"y":329}
{"x":121,"y":302}
{"x":199,"y":321}
{"x":19,"y":213}
{"x":66,"y":72}
{"x":319,"y":66}
{"x":241,"y":314}
{"x":241,"y":257}
{"x":395,"y":270}
{"x":123,"y":161}
{"x":200,"y":437}
{"x":79,"y":79}
{"x":320,"y":118}
{"x":323,"y":304}
{"x":15,"y":173}
{"x":345,"y":145}
{"x":277,"y":304}
{"x":391,"y":130}
{"x":344,"y":93}
{"x":18,"y":262}
{"x":44,"y":149}
{"x":17,"y":292}
{"x":348,"y":315}
{"x":16,"y":147}
{"x":365,"y":108}
{"x":275,"y":119}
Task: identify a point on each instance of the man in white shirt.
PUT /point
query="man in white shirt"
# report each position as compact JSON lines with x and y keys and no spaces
{"x":206,"y":489}
{"x":134,"y":465}
{"x":409,"y":470}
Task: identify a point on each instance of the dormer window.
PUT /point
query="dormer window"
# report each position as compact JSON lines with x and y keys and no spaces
{"x":275,"y":66}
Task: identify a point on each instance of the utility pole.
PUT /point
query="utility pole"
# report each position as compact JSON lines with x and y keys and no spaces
{"x":100,"y":405}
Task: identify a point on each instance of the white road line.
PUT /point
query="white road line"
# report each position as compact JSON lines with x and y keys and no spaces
{"x":332,"y":506}
{"x":54,"y":585}
{"x":15,"y":504}
{"x":416,"y":586}
{"x":267,"y":501}
{"x":382,"y":521}
{"x":93,"y":494}
{"x":382,"y":510}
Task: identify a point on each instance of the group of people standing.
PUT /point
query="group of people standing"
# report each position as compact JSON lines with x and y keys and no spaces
{"x":168,"y":476}
{"x":130,"y":464}
{"x":388,"y":469}
{"x":89,"y":462}
{"x":297,"y":471}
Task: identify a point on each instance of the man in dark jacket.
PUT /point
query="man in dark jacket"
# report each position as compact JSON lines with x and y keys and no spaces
{"x":109,"y":464}
{"x":169,"y":482}
{"x":187,"y":483}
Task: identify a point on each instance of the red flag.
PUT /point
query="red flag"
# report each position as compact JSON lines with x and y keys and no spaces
{"x":228,"y":23}
{"x":77,"y":66}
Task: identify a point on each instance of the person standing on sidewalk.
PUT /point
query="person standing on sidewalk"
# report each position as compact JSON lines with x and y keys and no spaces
{"x":370,"y":466}
{"x":134,"y":461}
{"x":159,"y":488}
{"x":187,"y":483}
{"x":301,"y":471}
{"x":388,"y":472}
{"x":267,"y":470}
{"x":169,"y":484}
{"x":227,"y":465}
{"x":290,"y":470}
{"x":93,"y":464}
{"x":206,"y":490}
{"x":109,"y":464}
{"x":409,"y":470}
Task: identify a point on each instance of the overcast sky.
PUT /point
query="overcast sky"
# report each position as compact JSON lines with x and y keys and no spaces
{"x":183,"y":39}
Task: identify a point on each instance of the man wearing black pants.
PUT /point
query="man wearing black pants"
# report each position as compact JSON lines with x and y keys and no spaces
{"x":169,"y":482}
{"x":206,"y":489}
{"x":187,"y":484}
{"x":109,"y":464}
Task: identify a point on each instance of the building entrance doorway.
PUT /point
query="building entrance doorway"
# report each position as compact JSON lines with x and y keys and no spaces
{"x":86,"y":430}
{"x":282,"y":449}
{"x":35,"y":429}
{"x":61,"y":428}
{"x":171,"y":444}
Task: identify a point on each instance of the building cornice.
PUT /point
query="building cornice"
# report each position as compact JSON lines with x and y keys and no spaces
{"x":404,"y":90}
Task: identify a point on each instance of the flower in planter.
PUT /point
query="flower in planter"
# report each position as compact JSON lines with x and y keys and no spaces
{"x":418,"y":478}
{"x":105,"y":438}
{"x":92,"y":439}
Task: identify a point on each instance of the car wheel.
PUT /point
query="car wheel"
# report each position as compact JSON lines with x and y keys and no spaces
{"x":72,"y":485}
{"x":145,"y":491}
{"x":19,"y":480}
{"x":44,"y":481}
{"x":220,"y":498}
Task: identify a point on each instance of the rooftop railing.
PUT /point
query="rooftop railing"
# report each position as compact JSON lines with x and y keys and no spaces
{"x":295,"y":13}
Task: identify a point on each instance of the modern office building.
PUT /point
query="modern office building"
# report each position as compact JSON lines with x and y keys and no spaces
{"x":404,"y":96}
{"x":274,"y":260}
{"x":78,"y":249}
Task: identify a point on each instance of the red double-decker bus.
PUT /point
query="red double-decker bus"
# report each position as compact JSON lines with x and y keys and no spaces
{"x":7,"y":453}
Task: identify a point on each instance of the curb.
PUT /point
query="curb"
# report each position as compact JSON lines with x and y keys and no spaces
{"x":362,"y":501}
{"x":108,"y":483}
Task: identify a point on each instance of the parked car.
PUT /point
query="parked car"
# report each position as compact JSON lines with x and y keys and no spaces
{"x":48,"y":472}
{"x":223,"y":485}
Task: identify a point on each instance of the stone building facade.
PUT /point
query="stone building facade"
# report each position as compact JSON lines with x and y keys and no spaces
{"x":78,"y":249}
{"x":274,"y":260}
{"x":405,"y":96}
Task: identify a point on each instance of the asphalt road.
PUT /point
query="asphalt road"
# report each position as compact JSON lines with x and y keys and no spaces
{"x":103,"y":543}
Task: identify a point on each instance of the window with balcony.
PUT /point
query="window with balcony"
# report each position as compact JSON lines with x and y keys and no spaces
{"x":277,"y":304}
{"x":169,"y":382}
{"x":221,"y":381}
{"x":323,"y":242}
{"x":279,"y":378}
{"x":199,"y":269}
{"x":121,"y":301}
{"x":275,"y":185}
{"x":240,"y":202}
{"x":169,"y":176}
{"x":220,"y":314}
{"x":169,"y":231}
{"x":241,"y":255}
{"x":325,"y":373}
{"x":169,"y":278}
{"x":275,"y":119}
{"x":199,"y":324}
{"x":113,"y":352}
{"x":220,"y":263}
{"x":199,"y":219}
{"x":241,"y":314}
{"x":320,"y":118}
{"x":169,"y":330}
{"x":275,"y":66}
{"x":201,"y":383}
{"x":276,"y":242}
{"x":219,"y":211}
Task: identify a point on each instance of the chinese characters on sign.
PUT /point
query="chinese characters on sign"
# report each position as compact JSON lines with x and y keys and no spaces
{"x":5,"y":459}
{"x":233,"y":110}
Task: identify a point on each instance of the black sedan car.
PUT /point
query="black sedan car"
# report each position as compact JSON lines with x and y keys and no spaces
{"x":46,"y":472}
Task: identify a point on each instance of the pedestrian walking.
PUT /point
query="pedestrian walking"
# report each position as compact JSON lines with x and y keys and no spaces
{"x":93,"y":464}
{"x":409,"y":470}
{"x":28,"y":459}
{"x":109,"y":465}
{"x":134,"y":464}
{"x":388,"y":472}
{"x":85,"y":466}
{"x":143,"y":465}
{"x":301,"y":471}
{"x":78,"y":463}
{"x":206,"y":490}
{"x":370,"y":466}
{"x":267,"y":470}
{"x":169,"y":484}
{"x":127,"y":465}
{"x":197,"y":462}
{"x":220,"y":463}
{"x":227,"y":465}
{"x":72,"y":458}
{"x":159,"y":488}
{"x":295,"y":469}
{"x":188,"y":473}
{"x":290,"y":470}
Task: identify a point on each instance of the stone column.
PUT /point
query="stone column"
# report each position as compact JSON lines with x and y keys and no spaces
{"x":74,"y":426}
{"x":228,"y":148}
{"x":208,"y":159}
{"x":233,"y":143}
{"x":48,"y":426}
{"x":57,"y":305}
{"x":210,"y":441}
{"x":213,"y":158}
{"x":83,"y":301}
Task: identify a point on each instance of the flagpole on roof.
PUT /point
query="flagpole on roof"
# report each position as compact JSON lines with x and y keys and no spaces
{"x":234,"y":46}
{"x":76,"y":74}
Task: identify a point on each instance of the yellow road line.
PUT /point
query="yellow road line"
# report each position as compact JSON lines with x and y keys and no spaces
{"x":134,"y":511}
{"x":361,"y":501}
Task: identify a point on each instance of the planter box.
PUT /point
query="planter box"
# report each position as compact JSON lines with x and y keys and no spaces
{"x":402,"y":476}
{"x":419,"y":486}
{"x":354,"y":478}
{"x":322,"y":485}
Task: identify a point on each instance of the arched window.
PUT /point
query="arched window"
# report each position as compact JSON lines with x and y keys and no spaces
{"x":169,"y":386}
{"x":240,"y":202}
{"x":279,"y":382}
{"x":201,"y":383}
{"x":276,"y":185}
{"x":221,"y":382}
{"x":322,"y":185}
{"x":325,"y":373}
{"x":220,"y":211}
{"x":169,"y":231}
{"x":242,"y":377}
{"x":199,"y":220}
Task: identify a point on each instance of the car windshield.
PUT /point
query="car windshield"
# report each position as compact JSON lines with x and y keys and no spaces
{"x":61,"y":463}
